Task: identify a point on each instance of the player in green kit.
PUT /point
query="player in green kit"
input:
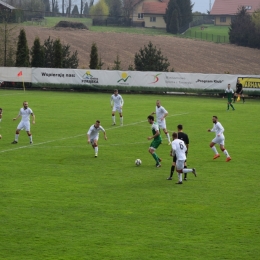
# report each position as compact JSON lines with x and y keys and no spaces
{"x":229,"y":91}
{"x":157,"y":140}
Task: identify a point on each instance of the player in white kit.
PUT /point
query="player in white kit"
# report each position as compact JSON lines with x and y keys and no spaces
{"x":117,"y":103}
{"x":179,"y":149}
{"x":25,"y":112}
{"x":219,"y":139}
{"x":93,"y":135}
{"x":161,"y":113}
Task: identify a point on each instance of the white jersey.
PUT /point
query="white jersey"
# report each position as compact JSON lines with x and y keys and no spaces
{"x":218,"y":129}
{"x":229,"y":91}
{"x":25,"y":113}
{"x":93,"y":132}
{"x":180,"y":148}
{"x":160,"y":112}
{"x":117,"y":100}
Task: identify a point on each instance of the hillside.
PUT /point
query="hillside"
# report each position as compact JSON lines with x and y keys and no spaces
{"x":185,"y":55}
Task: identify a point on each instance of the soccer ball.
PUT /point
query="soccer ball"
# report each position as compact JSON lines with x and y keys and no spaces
{"x":138,"y":162}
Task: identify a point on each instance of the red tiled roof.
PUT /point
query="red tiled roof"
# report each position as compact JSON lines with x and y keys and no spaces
{"x":154,"y":7}
{"x":224,"y":7}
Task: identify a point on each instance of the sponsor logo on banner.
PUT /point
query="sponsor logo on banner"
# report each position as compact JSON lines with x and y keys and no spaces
{"x":177,"y":80}
{"x":155,"y":78}
{"x":88,"y":78}
{"x":124,"y":78}
{"x":209,"y":81}
{"x":250,"y":82}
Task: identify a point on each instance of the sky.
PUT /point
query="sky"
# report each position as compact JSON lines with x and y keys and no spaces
{"x":201,"y":5}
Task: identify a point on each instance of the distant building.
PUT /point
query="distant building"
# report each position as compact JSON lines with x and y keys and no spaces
{"x":5,"y":6}
{"x":149,"y":13}
{"x":224,"y":10}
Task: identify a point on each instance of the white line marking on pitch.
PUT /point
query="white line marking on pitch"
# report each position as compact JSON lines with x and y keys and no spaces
{"x":75,"y":136}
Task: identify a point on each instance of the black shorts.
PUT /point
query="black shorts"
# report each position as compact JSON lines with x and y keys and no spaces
{"x":239,"y":92}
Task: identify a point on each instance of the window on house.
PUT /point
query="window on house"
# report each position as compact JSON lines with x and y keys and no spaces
{"x":223,"y":19}
{"x":152,"y":19}
{"x":140,"y":16}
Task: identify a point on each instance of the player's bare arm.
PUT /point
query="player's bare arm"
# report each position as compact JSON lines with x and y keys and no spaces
{"x":16,"y":117}
{"x":33,"y":116}
{"x":105,"y":136}
{"x":156,"y":134}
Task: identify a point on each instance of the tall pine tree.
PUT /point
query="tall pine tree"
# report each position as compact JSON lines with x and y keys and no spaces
{"x":185,"y":7}
{"x":57,"y":48}
{"x":93,"y":64}
{"x":172,"y":17}
{"x":37,"y":54}
{"x":22,"y":53}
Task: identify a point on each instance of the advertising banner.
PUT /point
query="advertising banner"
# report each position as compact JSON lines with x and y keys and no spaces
{"x":15,"y":74}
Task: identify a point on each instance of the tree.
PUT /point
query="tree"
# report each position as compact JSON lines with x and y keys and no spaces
{"x":100,"y":64}
{"x":185,"y":7}
{"x":37,"y":54}
{"x":115,"y":8}
{"x":57,"y":51}
{"x":7,"y":41}
{"x":172,"y":17}
{"x":22,"y":53}
{"x":75,"y":10}
{"x":86,"y":9}
{"x":128,"y":6}
{"x":99,"y":10}
{"x":47,"y":7}
{"x":150,"y":59}
{"x":242,"y":30}
{"x":117,"y":63}
{"x":69,"y":60}
{"x":93,"y":64}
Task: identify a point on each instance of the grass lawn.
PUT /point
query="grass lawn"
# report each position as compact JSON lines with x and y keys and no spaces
{"x":209,"y":33}
{"x":59,"y":202}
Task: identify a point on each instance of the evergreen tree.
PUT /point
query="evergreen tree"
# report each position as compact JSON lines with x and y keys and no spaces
{"x":93,"y":64}
{"x":57,"y":51}
{"x":115,"y":8}
{"x":172,"y":23}
{"x":37,"y":54}
{"x":47,"y":6}
{"x":22,"y":53}
{"x":185,"y":7}
{"x":150,"y":59}
{"x":117,"y":63}
{"x":86,"y":9}
{"x":242,"y":29}
{"x":75,"y":10}
{"x":69,"y":60}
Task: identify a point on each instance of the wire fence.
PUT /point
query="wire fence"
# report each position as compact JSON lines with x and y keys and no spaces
{"x":206,"y":36}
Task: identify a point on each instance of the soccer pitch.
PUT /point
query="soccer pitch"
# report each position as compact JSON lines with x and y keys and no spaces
{"x":59,"y":202}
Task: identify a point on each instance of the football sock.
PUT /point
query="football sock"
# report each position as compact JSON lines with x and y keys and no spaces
{"x":226,"y":153}
{"x":228,"y":106}
{"x":96,"y":149}
{"x":186,"y":170}
{"x":172,"y":170}
{"x":214,"y":149}
{"x":0,"y":120}
{"x":232,"y":106}
{"x":185,"y":174}
{"x":243,"y":99}
{"x":113,"y":119}
{"x":30,"y":137}
{"x":16,"y":137}
{"x":180,"y":177}
{"x":121,"y":120}
{"x":168,"y":136}
{"x":156,"y":158}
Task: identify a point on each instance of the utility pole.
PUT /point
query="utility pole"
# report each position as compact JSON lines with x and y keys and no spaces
{"x":209,"y":5}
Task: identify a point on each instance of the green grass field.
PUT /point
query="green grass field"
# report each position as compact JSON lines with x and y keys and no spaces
{"x":59,"y":202}
{"x":209,"y":33}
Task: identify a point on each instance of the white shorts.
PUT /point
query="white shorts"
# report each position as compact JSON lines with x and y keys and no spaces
{"x":24,"y":125}
{"x":117,"y":108}
{"x":180,"y":164}
{"x":219,"y":140}
{"x":162,"y":124}
{"x":92,"y":139}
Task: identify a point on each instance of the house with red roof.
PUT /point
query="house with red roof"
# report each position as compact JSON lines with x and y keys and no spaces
{"x":225,"y":10}
{"x":150,"y":13}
